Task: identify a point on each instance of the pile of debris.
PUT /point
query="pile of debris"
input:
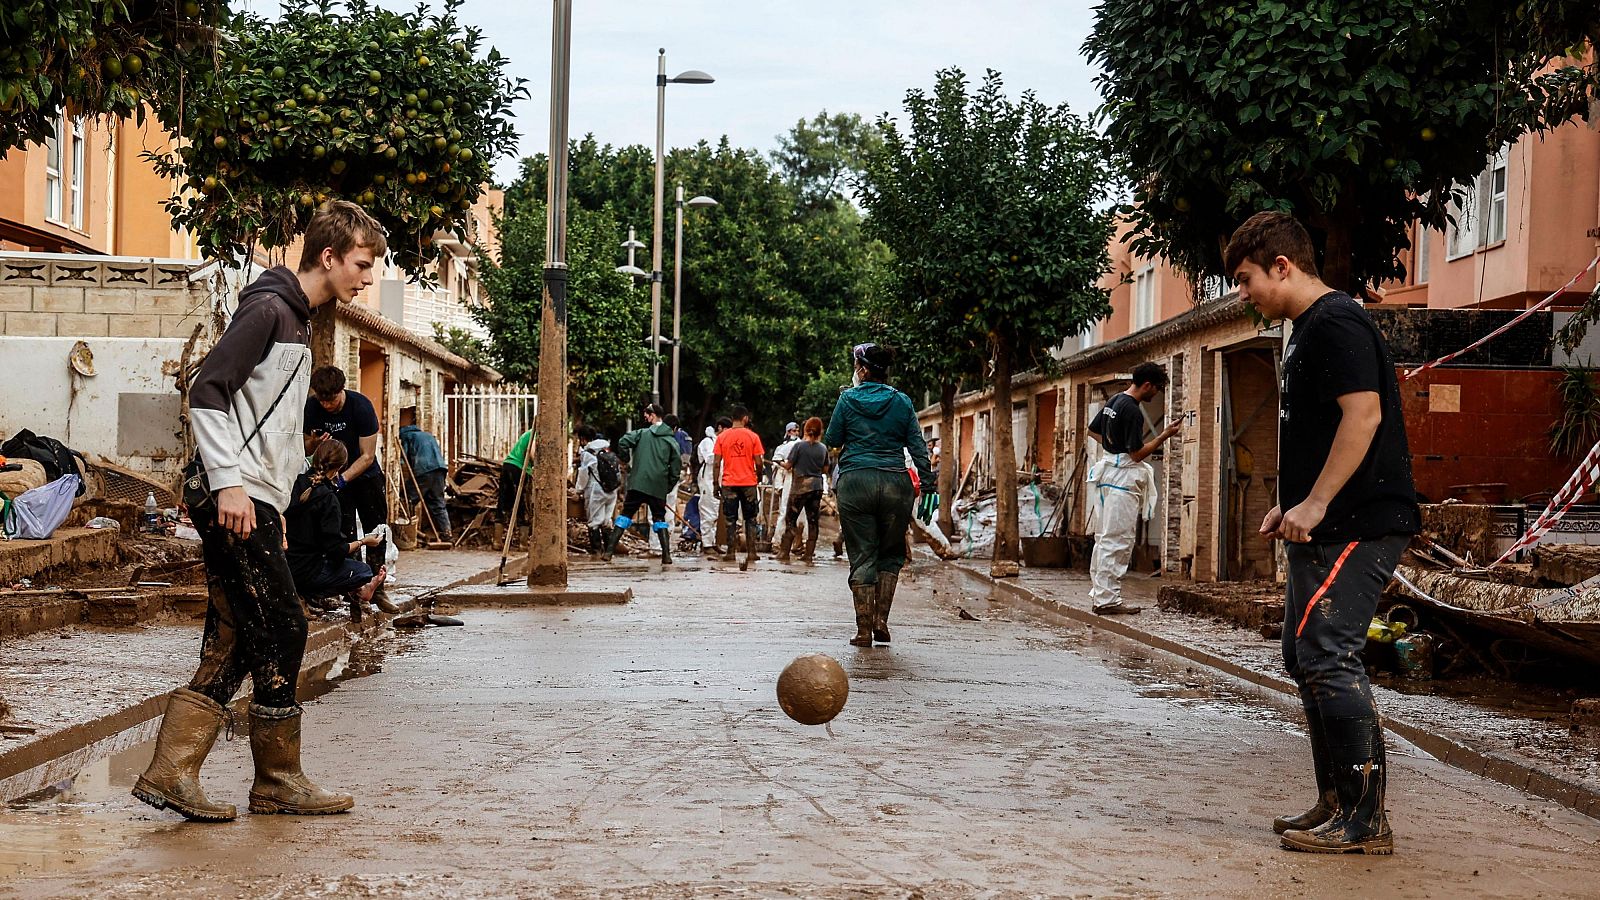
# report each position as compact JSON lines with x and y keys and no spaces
{"x":473,"y":502}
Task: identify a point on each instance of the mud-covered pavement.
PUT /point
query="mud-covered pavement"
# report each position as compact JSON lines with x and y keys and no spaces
{"x":638,"y":751}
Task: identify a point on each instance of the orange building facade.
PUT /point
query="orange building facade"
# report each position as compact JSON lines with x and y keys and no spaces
{"x":89,"y":189}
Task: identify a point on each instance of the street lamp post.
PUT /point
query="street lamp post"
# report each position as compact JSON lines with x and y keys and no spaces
{"x":632,"y":244}
{"x":677,"y":282}
{"x":690,"y":76}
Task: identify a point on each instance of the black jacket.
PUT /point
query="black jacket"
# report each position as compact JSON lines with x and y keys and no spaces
{"x":315,"y":538}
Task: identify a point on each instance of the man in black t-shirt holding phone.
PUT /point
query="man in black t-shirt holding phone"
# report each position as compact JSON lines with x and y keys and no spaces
{"x":1347,"y":508}
{"x":1123,"y":483}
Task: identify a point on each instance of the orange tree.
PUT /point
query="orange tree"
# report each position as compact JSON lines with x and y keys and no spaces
{"x":93,"y":57}
{"x":396,"y":111}
{"x":1359,"y":117}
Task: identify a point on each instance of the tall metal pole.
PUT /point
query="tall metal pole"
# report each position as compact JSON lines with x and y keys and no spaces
{"x":677,"y":292}
{"x":655,"y":246}
{"x":547,"y":554}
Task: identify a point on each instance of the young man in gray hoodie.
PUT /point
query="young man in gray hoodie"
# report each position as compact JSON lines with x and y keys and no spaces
{"x":247,"y":405}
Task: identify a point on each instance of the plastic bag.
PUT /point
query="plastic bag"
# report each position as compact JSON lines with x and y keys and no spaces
{"x":103,"y":522}
{"x":35,"y":515}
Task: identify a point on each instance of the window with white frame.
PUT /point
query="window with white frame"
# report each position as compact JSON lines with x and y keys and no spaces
{"x":1214,"y":287}
{"x":75,"y":176}
{"x":52,"y":172}
{"x":1496,"y":196}
{"x":1144,"y":297}
{"x":1089,"y":337}
{"x":1480,"y":213}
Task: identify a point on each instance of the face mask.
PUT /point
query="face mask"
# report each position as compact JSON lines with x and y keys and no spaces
{"x":855,"y":378}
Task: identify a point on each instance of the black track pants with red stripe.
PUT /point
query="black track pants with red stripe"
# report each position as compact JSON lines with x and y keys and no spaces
{"x":1332,"y":593}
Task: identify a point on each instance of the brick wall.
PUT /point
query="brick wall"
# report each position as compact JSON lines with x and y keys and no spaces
{"x":56,"y":296}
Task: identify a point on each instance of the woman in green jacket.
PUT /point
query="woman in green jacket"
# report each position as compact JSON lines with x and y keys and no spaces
{"x":875,"y":425}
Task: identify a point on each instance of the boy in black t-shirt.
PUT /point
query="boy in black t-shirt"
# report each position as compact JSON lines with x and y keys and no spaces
{"x":1347,"y":507}
{"x":1123,"y":484}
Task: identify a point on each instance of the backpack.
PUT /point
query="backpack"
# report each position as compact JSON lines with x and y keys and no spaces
{"x":607,"y":470}
{"x":56,"y":457}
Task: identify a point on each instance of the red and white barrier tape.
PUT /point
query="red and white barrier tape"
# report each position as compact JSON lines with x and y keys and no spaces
{"x":1578,"y":485}
{"x":1507,"y":326}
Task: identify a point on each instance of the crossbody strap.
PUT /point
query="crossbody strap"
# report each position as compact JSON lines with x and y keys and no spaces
{"x":263,"y":420}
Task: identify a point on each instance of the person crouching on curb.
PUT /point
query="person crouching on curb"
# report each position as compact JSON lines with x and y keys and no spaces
{"x":1125,"y":485}
{"x":1347,"y":508}
{"x":320,"y":556}
{"x":875,"y":424}
{"x":247,"y":407}
{"x":652,"y":474}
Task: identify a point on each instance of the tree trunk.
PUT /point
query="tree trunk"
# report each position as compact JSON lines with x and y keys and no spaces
{"x":1007,"y":547}
{"x":1337,"y":257}
{"x":949,"y":452}
{"x":323,"y":351}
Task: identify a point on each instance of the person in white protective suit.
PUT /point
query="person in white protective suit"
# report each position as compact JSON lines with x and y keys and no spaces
{"x":599,"y":504}
{"x":710,"y":506}
{"x":1122,"y":486}
{"x":781,"y":479}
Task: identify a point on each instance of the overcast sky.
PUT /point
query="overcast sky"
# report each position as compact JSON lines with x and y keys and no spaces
{"x":775,"y":62}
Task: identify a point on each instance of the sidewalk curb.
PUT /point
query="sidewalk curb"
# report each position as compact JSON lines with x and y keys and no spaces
{"x":38,"y":764}
{"x":1449,"y":749}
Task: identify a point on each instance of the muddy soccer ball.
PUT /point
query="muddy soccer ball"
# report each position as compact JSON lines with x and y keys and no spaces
{"x":813,"y":688}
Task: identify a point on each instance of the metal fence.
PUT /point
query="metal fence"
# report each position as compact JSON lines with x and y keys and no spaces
{"x":486,"y":420}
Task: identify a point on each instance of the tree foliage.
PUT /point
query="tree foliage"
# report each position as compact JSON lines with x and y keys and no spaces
{"x":1360,"y":118}
{"x":821,"y":158}
{"x":92,"y":57}
{"x":608,"y":364}
{"x":998,"y":215}
{"x":393,"y":110}
{"x":773,"y":289}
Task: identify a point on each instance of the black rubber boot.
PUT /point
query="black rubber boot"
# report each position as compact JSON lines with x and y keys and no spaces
{"x":1327,"y":797}
{"x":665,"y":537}
{"x":1360,"y":778}
{"x":786,"y":545}
{"x":612,"y":537}
{"x":733,"y":544}
{"x":880,"y":611}
{"x":865,"y":597}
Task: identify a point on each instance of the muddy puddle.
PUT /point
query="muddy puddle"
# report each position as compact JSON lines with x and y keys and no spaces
{"x":90,"y":812}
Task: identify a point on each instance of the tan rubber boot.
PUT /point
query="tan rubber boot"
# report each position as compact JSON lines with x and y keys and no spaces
{"x":809,"y":554}
{"x":188,"y":731}
{"x":785,"y":546}
{"x":281,"y":786}
{"x":880,"y":610}
{"x":864,"y":596}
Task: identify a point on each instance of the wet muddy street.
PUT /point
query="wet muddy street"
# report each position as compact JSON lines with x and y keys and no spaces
{"x":638,"y":751}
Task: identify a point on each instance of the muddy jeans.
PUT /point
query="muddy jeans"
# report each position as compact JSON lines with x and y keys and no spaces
{"x":808,"y":502}
{"x":1332,"y":593}
{"x":874,"y":513}
{"x":255,"y":624}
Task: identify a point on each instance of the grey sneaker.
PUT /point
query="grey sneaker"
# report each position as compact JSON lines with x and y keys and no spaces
{"x":1117,"y":609}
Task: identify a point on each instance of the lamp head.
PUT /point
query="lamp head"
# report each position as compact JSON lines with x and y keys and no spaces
{"x":700,"y":201}
{"x":692,"y":76}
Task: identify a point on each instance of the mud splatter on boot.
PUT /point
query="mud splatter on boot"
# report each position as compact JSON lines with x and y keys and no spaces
{"x":865,"y":597}
{"x":188,"y":731}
